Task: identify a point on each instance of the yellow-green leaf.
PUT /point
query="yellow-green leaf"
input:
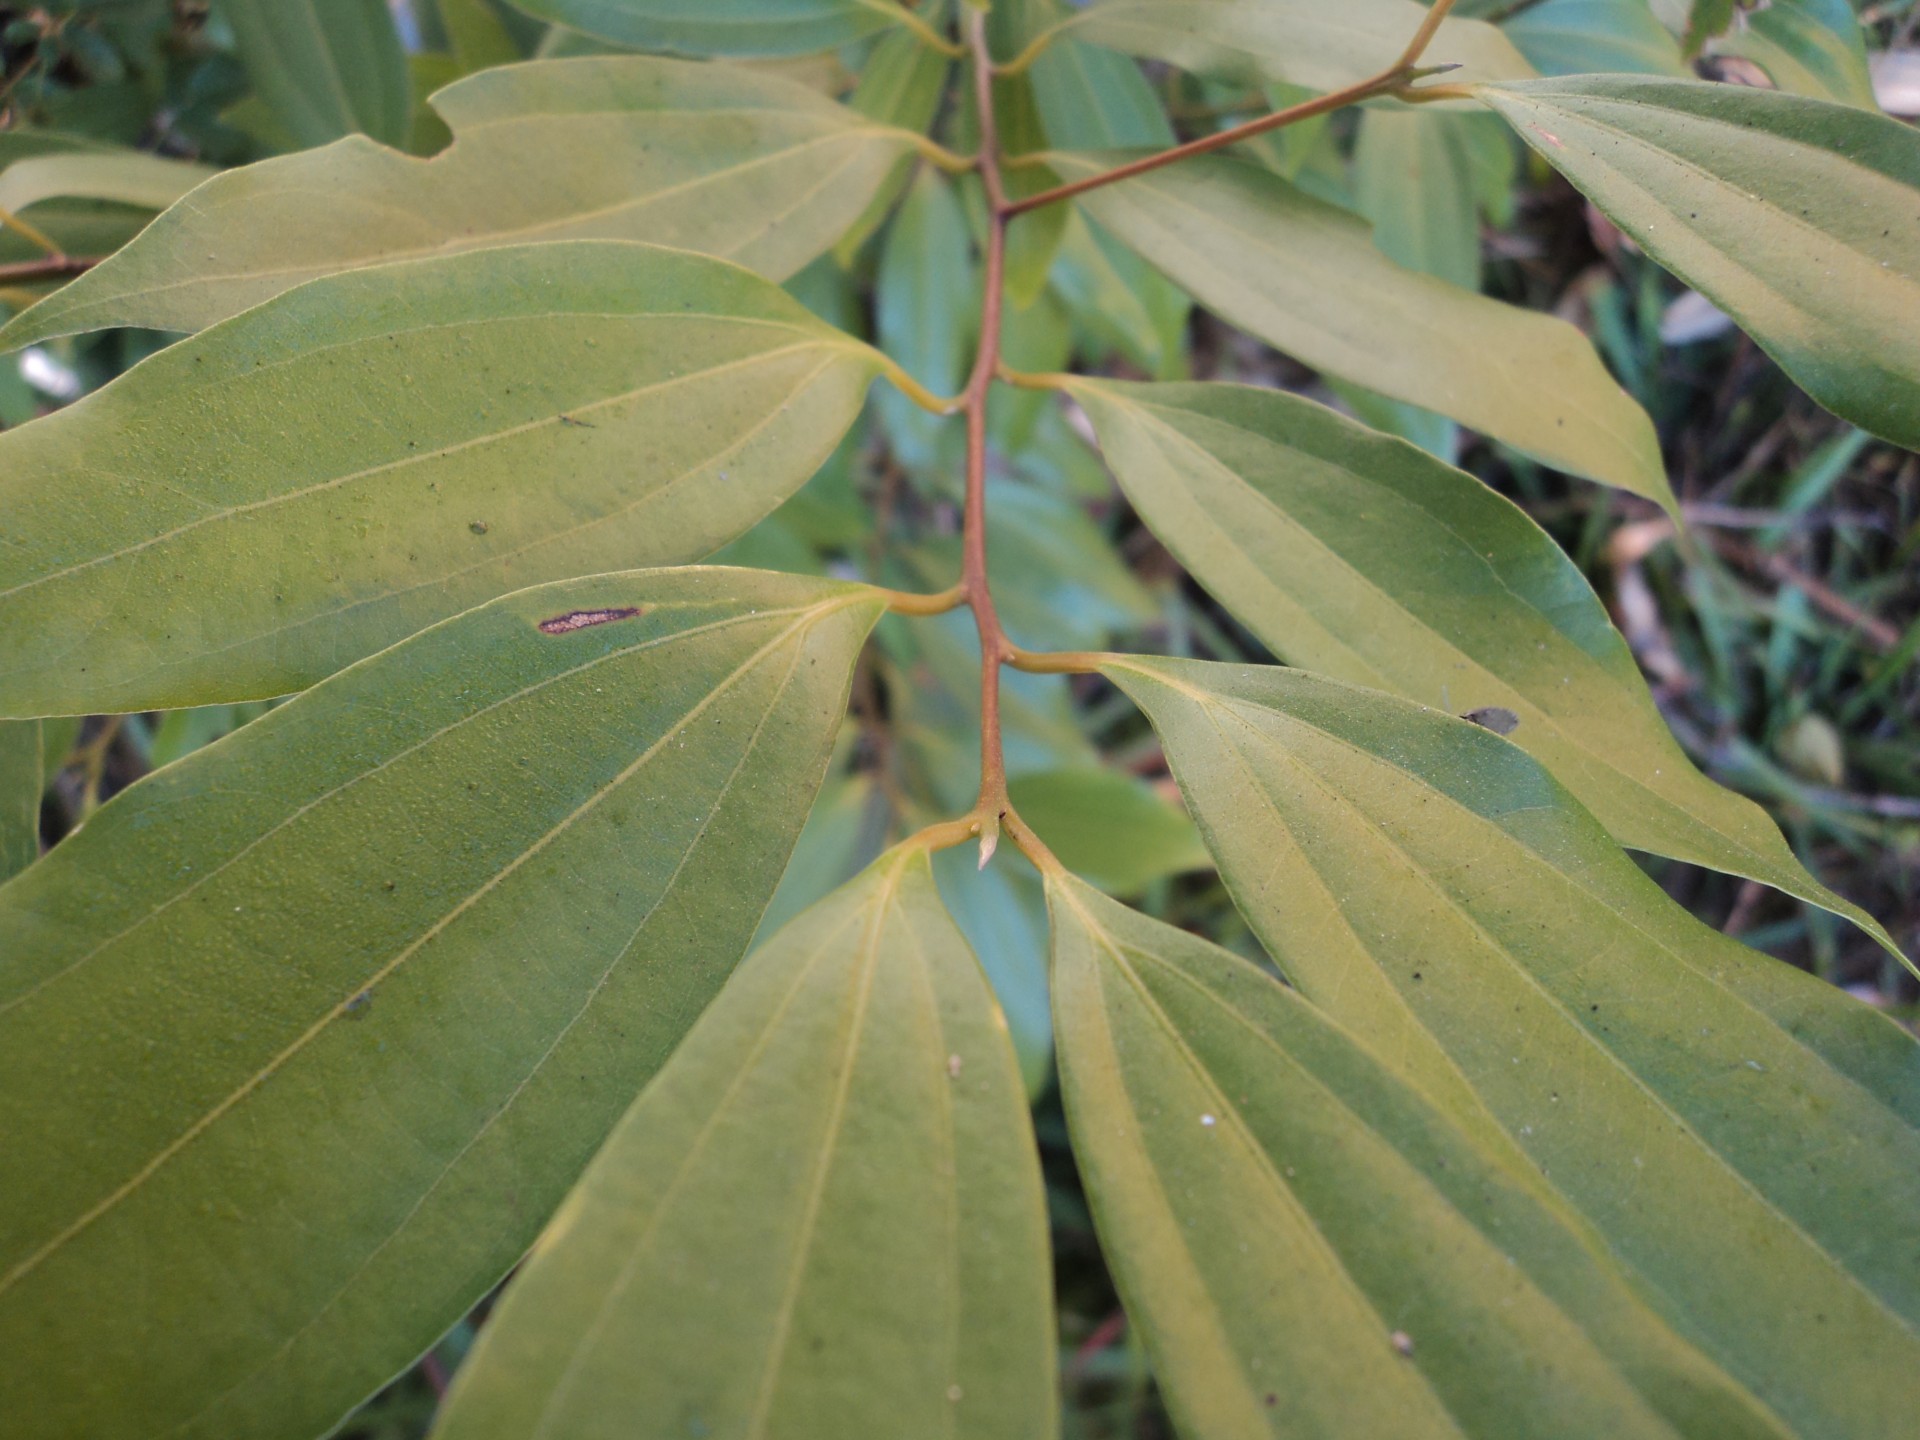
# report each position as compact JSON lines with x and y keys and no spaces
{"x":823,"y":1218}
{"x":150,"y":182}
{"x":21,"y":782}
{"x":1362,"y":557}
{"x":1305,"y":276}
{"x":258,"y":506}
{"x":1311,"y":1248}
{"x":722,"y":27}
{"x":303,"y":1037}
{"x":726,"y":161}
{"x":1741,"y":1135}
{"x":1798,"y":218}
{"x":1318,"y":44}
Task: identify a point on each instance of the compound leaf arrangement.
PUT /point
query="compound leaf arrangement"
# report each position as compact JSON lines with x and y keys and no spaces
{"x":550,"y":918}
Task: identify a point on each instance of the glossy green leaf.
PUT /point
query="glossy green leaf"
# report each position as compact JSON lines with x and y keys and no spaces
{"x":383,"y":448}
{"x":1800,"y":219}
{"x":1356,"y":555}
{"x":21,"y":782}
{"x":1579,"y":37}
{"x":130,"y":178}
{"x":1313,"y":43}
{"x":1003,"y":913}
{"x":326,"y":67}
{"x":312,"y":1029}
{"x":1309,"y":1244}
{"x":1807,"y":47}
{"x":1304,"y":276}
{"x":1741,"y":1135}
{"x":1109,"y":827}
{"x":704,"y":157}
{"x":823,"y":1218}
{"x":722,"y":27}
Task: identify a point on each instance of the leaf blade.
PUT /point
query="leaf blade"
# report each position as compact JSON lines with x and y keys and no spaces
{"x":1422,"y":880}
{"x":385,"y":1148}
{"x":664,"y":400}
{"x":1296,"y":42}
{"x":746,"y":166}
{"x":1792,"y":215}
{"x":1305,"y":277}
{"x":1321,"y":1206}
{"x":722,"y":27}
{"x":328,"y":69}
{"x":1296,"y":519}
{"x":844,"y":1138}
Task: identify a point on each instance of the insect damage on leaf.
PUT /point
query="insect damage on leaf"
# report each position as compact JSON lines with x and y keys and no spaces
{"x":581,"y":619}
{"x":1497,"y":718}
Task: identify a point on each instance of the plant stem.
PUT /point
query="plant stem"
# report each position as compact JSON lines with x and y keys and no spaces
{"x":54,"y":267}
{"x":1392,"y":80}
{"x":994,"y":810}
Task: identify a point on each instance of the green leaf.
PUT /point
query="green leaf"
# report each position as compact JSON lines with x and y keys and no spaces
{"x":1120,"y":301}
{"x":703,"y":157}
{"x":1577,"y":37}
{"x":1359,"y":556}
{"x":1414,"y":180}
{"x":1305,"y":277}
{"x":1795,"y":217}
{"x":1741,"y":1135}
{"x":476,"y":35}
{"x":326,"y":67}
{"x":1310,"y":1246}
{"x":512,"y":416}
{"x":823,"y":1218}
{"x":1095,"y":99}
{"x":1807,"y":47}
{"x":1109,"y":827}
{"x":1313,"y":43}
{"x":722,"y":27}
{"x":925,"y":310}
{"x":901,"y":85}
{"x":128,"y":178}
{"x":1003,"y":913}
{"x":303,"y":1038}
{"x":21,"y":783}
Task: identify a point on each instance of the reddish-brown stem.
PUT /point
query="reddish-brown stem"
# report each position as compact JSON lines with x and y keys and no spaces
{"x":53,"y":267}
{"x":994,"y":650}
{"x":1395,"y":78}
{"x":994,"y":810}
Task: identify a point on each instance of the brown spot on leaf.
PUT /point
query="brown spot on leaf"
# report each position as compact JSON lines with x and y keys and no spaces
{"x":580,"y":619}
{"x":1497,"y":718}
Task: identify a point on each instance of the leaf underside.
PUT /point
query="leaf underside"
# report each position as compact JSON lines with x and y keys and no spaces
{"x":304,"y":1037}
{"x":1741,"y":1135}
{"x":1799,"y":218}
{"x":1305,"y":277}
{"x":734,"y":163}
{"x":824,"y":1216}
{"x":1311,"y":1248}
{"x":256,"y":507}
{"x":1363,"y":558}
